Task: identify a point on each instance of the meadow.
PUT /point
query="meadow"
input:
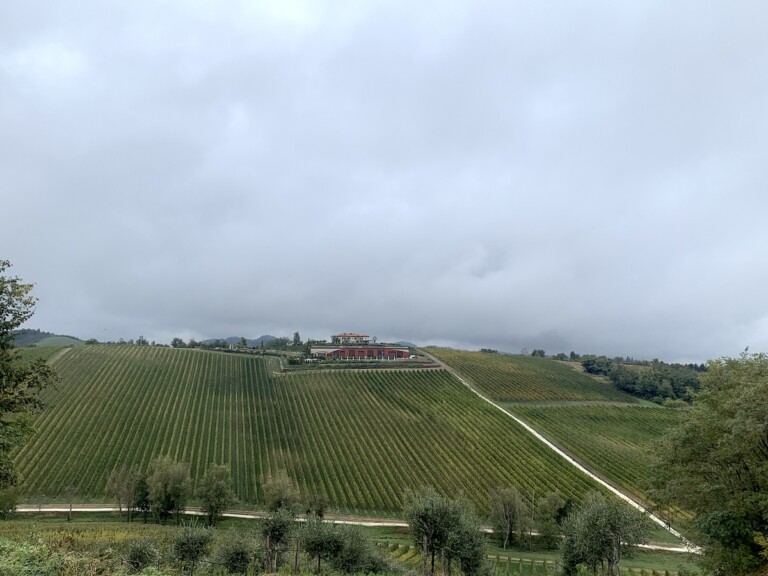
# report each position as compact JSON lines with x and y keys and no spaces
{"x":518,"y":378}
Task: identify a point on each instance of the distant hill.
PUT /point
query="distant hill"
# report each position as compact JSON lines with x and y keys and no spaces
{"x":407,"y":344}
{"x":27,"y":337}
{"x":235,"y":340}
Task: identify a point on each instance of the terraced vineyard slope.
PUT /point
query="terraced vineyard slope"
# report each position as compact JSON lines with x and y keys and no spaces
{"x":359,"y":438}
{"x":609,"y":431}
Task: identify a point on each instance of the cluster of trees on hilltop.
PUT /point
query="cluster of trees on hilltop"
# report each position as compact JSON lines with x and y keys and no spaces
{"x":655,"y":381}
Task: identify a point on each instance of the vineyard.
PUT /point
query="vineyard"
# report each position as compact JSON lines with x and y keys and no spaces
{"x":359,"y":438}
{"x":616,"y":440}
{"x":515,"y":378}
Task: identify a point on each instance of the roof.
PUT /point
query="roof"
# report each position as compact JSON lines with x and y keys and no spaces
{"x":350,"y":334}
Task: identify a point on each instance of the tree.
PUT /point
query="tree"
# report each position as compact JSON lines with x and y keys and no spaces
{"x":466,"y":544}
{"x":20,"y":382}
{"x":549,"y":511}
{"x":178,"y":343}
{"x":509,"y":515}
{"x":356,"y":554}
{"x":319,"y":539}
{"x":141,"y":501}
{"x":279,"y":491}
{"x":215,"y":492}
{"x":441,"y":527}
{"x":122,"y":482}
{"x":714,"y":465}
{"x":276,"y":530}
{"x":236,"y":552}
{"x":597,"y":533}
{"x":192,"y":544}
{"x":296,"y":339}
{"x":243,"y":342}
{"x":168,"y":484}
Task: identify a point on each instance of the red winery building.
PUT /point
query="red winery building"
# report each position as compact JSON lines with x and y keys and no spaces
{"x":353,"y":346}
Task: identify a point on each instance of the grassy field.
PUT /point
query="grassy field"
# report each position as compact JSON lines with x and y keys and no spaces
{"x":35,"y":353}
{"x":359,"y":438}
{"x":516,"y":378}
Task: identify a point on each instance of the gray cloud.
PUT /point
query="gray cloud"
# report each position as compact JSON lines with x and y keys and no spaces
{"x":502,"y":174}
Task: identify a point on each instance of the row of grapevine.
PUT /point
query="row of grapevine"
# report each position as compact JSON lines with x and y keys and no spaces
{"x":358,"y":438}
{"x":616,"y":440}
{"x":515,"y":378}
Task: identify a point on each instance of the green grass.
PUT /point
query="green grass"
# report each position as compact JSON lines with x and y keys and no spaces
{"x":58,"y":341}
{"x":46,"y":353}
{"x":517,"y":378}
{"x":359,"y":438}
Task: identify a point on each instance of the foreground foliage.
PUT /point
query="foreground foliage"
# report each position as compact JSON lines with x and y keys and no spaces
{"x":355,"y":440}
{"x":598,"y":532}
{"x":715,"y":464}
{"x":445,"y":529}
{"x":20,"y":381}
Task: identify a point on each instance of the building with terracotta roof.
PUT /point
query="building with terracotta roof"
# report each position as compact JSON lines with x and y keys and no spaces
{"x":354,"y":346}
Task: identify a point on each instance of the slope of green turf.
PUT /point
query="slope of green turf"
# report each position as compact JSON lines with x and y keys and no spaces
{"x":359,"y":438}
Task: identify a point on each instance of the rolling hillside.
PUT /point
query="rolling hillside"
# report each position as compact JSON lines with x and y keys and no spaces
{"x":610,"y":431}
{"x":359,"y":438}
{"x":514,"y":378}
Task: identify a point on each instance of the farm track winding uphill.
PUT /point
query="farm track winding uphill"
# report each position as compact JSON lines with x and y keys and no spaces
{"x":570,"y":459}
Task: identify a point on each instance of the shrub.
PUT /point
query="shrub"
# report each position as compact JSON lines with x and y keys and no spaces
{"x":141,"y":554}
{"x":192,"y":544}
{"x":236,"y":552}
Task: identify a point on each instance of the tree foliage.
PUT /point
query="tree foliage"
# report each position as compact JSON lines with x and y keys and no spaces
{"x":280,"y":491}
{"x":655,"y":380}
{"x":444,"y":528}
{"x":276,"y":530}
{"x":509,"y":515}
{"x":550,"y":512}
{"x":19,"y":382}
{"x":191,"y":544}
{"x":168,"y":484}
{"x":715,"y":465}
{"x":598,"y":532}
{"x":215,"y":492}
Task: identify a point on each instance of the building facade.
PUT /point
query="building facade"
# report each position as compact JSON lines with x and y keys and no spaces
{"x":353,"y":346}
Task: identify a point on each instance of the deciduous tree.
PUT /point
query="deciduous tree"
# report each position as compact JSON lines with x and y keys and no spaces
{"x":168,"y":484}
{"x":19,"y":382}
{"x":441,"y":527}
{"x":598,"y":532}
{"x":509,"y":515}
{"x":215,"y":492}
{"x":715,"y":465}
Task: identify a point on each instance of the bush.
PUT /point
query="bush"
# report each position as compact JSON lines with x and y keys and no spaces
{"x":141,"y":554}
{"x":192,"y":544}
{"x":236,"y":552}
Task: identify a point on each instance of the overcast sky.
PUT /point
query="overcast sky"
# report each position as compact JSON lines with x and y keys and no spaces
{"x":588,"y":176}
